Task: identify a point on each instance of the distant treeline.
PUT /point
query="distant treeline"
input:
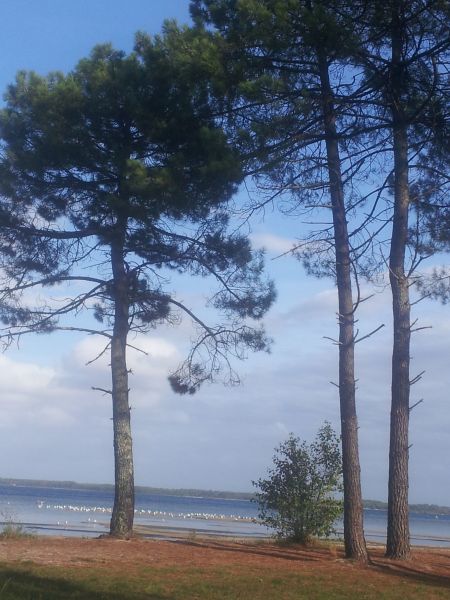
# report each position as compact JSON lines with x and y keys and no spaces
{"x":428,"y":509}
{"x":139,"y":489}
{"x":432,"y":509}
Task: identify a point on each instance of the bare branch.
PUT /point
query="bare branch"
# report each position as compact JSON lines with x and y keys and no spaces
{"x":416,"y":404}
{"x":424,"y":297}
{"x":144,"y":352}
{"x":420,"y":328}
{"x":99,"y":389}
{"x":335,"y":342}
{"x":192,"y":315}
{"x":417,"y":378}
{"x":84,"y":330}
{"x":364,"y":337}
{"x":100,"y":354}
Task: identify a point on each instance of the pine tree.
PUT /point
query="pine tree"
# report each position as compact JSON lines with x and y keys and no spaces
{"x":294,"y":111}
{"x":404,"y":58}
{"x":112,"y":178}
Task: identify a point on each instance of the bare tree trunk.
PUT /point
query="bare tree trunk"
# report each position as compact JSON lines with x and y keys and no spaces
{"x":398,"y":543}
{"x":355,"y":546}
{"x":123,"y":511}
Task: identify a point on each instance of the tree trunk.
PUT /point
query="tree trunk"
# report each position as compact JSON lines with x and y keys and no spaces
{"x":398,"y":544}
{"x":355,"y":546}
{"x":123,"y":510}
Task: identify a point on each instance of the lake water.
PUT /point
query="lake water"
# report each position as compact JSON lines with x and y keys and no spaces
{"x":84,"y":512}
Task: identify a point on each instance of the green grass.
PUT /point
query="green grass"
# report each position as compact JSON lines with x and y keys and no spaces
{"x":31,"y":582}
{"x":13,"y":531}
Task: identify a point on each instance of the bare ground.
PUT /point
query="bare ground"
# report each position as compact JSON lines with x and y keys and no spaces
{"x":426,"y":565}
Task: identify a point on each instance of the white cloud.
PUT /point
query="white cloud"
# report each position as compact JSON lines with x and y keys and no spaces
{"x":272,"y":243}
{"x":54,"y":425}
{"x":21,"y":378}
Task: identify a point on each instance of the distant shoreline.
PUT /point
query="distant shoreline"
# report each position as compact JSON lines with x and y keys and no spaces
{"x":179,"y":492}
{"x":433,"y":509}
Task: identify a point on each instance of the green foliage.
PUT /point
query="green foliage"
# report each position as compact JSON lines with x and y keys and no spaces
{"x":274,"y":51}
{"x":126,"y":151}
{"x":119,"y":132}
{"x":298,"y":499}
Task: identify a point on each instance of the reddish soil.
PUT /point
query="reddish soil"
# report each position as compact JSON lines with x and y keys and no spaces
{"x":432,"y":565}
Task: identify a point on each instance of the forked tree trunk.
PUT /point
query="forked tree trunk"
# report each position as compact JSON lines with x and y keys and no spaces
{"x":355,"y":546}
{"x":398,"y":543}
{"x":123,"y":509}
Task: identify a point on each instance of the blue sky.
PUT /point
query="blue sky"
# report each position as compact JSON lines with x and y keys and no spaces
{"x":53,"y":426}
{"x":55,"y":34}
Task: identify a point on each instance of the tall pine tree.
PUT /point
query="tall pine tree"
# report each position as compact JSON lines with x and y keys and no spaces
{"x":297,"y":112}
{"x":112,"y":178}
{"x":404,"y":55}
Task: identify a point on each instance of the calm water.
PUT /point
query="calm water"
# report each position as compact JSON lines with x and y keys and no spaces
{"x":82,"y":512}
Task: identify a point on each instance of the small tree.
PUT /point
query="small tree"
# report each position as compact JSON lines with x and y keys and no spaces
{"x":298,"y":498}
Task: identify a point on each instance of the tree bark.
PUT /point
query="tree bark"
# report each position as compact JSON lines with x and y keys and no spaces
{"x":123,"y":510}
{"x":398,"y":543}
{"x":355,"y":546}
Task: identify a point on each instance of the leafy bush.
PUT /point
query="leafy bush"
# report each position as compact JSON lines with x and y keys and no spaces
{"x":299,"y":497}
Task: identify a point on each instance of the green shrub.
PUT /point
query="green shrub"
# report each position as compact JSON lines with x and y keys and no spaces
{"x":299,"y":497}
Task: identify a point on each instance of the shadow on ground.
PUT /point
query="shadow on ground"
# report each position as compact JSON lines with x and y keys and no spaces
{"x":293,"y":552}
{"x":437,"y":574}
{"x":23,"y":585}
{"x":414,"y":570}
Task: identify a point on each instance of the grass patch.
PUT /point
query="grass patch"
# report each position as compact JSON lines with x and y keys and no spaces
{"x":52,"y":583}
{"x":207,"y":569}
